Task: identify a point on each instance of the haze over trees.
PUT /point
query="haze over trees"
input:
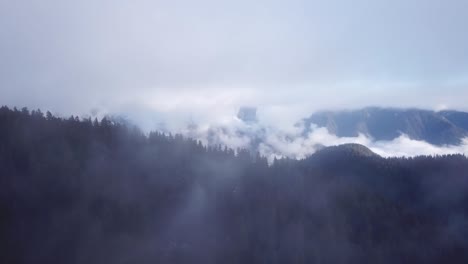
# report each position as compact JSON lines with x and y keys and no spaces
{"x":97,"y":191}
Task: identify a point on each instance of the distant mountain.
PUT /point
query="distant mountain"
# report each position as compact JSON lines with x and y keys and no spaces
{"x":346,"y":150}
{"x":348,"y":156}
{"x":248,"y":114}
{"x":246,"y":130}
{"x":438,"y":128}
{"x":460,"y":119}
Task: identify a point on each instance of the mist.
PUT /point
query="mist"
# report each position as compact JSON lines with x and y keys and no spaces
{"x":291,"y":58}
{"x":287,"y":139}
{"x":152,"y":131}
{"x":88,"y":191}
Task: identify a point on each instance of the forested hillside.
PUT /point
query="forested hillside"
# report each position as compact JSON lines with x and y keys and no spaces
{"x":87,"y":191}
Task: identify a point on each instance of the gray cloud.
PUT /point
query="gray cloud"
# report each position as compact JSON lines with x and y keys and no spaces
{"x":176,"y":60}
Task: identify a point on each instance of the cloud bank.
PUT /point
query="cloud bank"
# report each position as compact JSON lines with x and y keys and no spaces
{"x":193,"y":57}
{"x":165,"y":63}
{"x":271,"y":141}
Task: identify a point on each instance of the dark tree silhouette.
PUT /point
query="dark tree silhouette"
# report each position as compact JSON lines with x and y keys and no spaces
{"x":87,"y":191}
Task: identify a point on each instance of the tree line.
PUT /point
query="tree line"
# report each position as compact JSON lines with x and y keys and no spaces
{"x":77,"y":190}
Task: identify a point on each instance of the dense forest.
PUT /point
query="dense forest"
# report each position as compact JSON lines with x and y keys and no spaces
{"x":98,"y":191}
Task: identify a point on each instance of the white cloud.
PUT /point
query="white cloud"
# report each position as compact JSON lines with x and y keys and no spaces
{"x":404,"y":146}
{"x":277,"y":142}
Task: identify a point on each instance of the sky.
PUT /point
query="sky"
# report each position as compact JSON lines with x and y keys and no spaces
{"x":202,"y":60}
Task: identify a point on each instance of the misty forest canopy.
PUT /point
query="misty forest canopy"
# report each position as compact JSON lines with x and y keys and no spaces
{"x":87,"y":191}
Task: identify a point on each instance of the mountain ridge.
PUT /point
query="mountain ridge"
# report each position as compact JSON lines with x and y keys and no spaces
{"x":447,"y":127}
{"x":351,"y":149}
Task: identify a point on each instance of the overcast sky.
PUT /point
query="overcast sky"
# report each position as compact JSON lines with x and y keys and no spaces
{"x":203,"y":59}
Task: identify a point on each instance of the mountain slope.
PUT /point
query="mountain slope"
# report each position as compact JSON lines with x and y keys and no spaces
{"x":438,"y":128}
{"x":347,"y":150}
{"x":459,"y":119}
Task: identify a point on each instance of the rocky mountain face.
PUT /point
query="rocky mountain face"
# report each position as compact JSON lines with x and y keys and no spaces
{"x":460,"y":119}
{"x":438,"y":128}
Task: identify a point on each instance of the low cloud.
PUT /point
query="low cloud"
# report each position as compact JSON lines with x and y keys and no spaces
{"x":272,"y":141}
